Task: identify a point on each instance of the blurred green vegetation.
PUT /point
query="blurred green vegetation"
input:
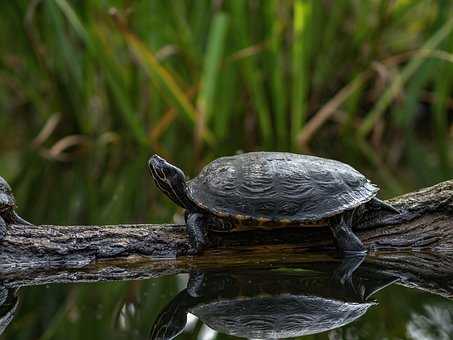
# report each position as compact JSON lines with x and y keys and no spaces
{"x":90,"y":89}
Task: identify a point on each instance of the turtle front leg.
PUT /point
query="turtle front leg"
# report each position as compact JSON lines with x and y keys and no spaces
{"x":195,"y":223}
{"x":348,"y":244}
{"x":2,"y":228}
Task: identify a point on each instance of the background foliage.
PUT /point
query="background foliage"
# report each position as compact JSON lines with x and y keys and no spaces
{"x":89,"y":89}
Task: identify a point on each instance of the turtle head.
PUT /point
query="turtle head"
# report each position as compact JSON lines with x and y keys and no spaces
{"x":164,"y":172}
{"x":169,"y":179}
{"x":6,"y":195}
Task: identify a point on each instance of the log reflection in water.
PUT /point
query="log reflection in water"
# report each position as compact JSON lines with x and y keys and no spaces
{"x":427,"y":271}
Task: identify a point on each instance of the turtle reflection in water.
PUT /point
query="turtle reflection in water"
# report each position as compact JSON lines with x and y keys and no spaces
{"x":7,"y":206}
{"x":9,"y":302}
{"x":271,"y":190}
{"x":272,"y":303}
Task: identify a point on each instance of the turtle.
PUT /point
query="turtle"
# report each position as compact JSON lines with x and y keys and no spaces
{"x":272,"y":304}
{"x":262,"y":190}
{"x":7,"y":206}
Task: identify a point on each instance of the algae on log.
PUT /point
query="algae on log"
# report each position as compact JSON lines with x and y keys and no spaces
{"x":427,"y":224}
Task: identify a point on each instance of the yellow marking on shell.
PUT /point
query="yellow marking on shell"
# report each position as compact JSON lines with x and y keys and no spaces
{"x":240,"y":217}
{"x":285,"y":221}
{"x":219,"y":213}
{"x":315,"y":224}
{"x":262,"y":220}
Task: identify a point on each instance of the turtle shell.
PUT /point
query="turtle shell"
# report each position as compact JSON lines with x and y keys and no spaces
{"x":279,"y":187}
{"x":280,"y":304}
{"x":278,"y":316}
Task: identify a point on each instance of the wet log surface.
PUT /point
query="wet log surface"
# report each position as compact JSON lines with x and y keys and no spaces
{"x":41,"y":254}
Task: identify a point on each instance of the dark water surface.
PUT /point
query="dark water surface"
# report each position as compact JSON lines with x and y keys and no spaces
{"x":319,"y":300}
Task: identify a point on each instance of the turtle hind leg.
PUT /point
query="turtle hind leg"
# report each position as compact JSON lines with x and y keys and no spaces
{"x":348,"y":244}
{"x":195,"y":229}
{"x":2,"y":228}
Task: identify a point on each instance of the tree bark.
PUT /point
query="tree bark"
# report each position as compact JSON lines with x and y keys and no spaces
{"x":426,"y":224}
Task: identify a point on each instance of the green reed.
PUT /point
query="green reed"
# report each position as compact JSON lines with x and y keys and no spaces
{"x":89,"y":89}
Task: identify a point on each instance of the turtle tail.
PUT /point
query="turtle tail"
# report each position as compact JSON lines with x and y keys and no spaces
{"x":378,"y":213}
{"x":379,"y":204}
{"x":13,"y":218}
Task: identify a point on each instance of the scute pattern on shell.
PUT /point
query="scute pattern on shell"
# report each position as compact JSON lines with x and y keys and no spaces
{"x":280,"y":316}
{"x":277,"y":186}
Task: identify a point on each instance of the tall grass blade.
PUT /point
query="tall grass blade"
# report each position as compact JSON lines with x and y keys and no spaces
{"x":73,"y":19}
{"x":387,"y":97}
{"x":163,"y":78}
{"x":300,"y":58}
{"x":251,"y":72}
{"x":209,"y":76}
{"x":226,"y":102}
{"x":442,"y":89}
{"x":327,"y":110}
{"x":277,"y":70}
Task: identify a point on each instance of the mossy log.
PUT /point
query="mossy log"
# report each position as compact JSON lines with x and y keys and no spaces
{"x":427,"y":225}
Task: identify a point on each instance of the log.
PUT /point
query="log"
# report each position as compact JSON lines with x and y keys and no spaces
{"x":426,"y":224}
{"x":431,"y":272}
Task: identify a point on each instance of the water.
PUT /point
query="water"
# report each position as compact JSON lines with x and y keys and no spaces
{"x":381,"y":297}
